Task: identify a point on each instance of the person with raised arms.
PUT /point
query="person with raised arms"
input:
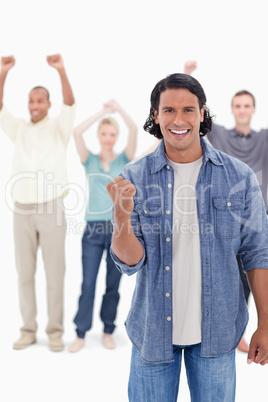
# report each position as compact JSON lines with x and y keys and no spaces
{"x":39,"y":184}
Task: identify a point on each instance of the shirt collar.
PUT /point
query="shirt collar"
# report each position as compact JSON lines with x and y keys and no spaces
{"x":210,"y":153}
{"x":159,"y":158}
{"x":235,"y":133}
{"x":40,"y":121}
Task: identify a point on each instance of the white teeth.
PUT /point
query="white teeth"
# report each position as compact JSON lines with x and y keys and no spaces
{"x":179,"y":132}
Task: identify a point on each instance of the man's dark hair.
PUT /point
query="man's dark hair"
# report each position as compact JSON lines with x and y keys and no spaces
{"x":40,"y":87}
{"x":244,"y":92}
{"x":177,"y":81}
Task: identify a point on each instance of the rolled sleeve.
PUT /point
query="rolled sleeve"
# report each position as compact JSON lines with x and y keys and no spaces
{"x":124,"y":268}
{"x":127,"y":269}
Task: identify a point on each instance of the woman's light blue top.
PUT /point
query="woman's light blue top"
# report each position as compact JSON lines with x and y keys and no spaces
{"x":99,"y":205}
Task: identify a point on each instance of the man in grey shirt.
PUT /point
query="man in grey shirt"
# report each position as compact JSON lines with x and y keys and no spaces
{"x":242,"y":142}
{"x":245,"y":144}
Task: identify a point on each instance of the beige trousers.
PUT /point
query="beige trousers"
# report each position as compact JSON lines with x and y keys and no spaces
{"x":41,"y":225}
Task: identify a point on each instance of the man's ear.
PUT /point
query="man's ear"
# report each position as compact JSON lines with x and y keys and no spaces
{"x":202,"y":113}
{"x":156,"y":116}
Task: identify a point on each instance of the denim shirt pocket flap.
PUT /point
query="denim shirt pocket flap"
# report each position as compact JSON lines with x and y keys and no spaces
{"x":228,"y":203}
{"x":149,"y":220}
{"x":228,"y":214}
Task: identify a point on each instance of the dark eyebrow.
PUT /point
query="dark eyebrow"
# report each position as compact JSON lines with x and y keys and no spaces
{"x":171,"y":107}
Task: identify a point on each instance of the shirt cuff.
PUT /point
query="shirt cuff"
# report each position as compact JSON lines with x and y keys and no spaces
{"x":127,"y":269}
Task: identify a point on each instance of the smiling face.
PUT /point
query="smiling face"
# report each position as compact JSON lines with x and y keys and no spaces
{"x":179,"y":118}
{"x":243,"y":109}
{"x":107,"y":135}
{"x":38,"y":104}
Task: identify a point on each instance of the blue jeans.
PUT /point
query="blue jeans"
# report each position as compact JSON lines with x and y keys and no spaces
{"x":209,"y":379}
{"x":96,"y":239}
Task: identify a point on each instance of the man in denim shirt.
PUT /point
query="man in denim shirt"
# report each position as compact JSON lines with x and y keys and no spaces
{"x":181,"y":216}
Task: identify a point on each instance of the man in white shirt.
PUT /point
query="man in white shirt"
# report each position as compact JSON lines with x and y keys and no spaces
{"x":38,"y":185}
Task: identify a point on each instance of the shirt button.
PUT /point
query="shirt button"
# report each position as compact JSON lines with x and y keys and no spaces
{"x":229,"y":204}
{"x":167,"y":294}
{"x":145,"y":211}
{"x":169,"y":318}
{"x":207,"y":313}
{"x":168,"y":239}
{"x":167,"y":268}
{"x":167,"y":212}
{"x":168,"y":167}
{"x":169,"y":185}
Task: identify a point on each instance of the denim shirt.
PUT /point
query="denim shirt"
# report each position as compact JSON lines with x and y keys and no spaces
{"x":232,"y":221}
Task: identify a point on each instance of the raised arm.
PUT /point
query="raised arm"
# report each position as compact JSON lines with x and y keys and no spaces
{"x":82,"y":150}
{"x":67,"y":93}
{"x":6,"y":64}
{"x":125,"y":244}
{"x":190,"y":66}
{"x":132,"y":127}
{"x":258,"y":348}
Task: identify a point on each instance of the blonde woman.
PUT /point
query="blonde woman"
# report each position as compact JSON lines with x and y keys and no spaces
{"x":100,"y":169}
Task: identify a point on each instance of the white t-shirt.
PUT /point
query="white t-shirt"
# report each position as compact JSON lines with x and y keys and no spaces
{"x":186,"y":259}
{"x":39,"y":172}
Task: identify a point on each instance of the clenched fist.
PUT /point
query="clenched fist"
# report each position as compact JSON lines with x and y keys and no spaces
{"x":121,"y":193}
{"x":7,"y":63}
{"x":190,"y":66}
{"x":55,"y":61}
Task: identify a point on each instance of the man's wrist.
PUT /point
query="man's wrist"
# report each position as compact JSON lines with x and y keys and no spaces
{"x":263,"y":322}
{"x":3,"y":74}
{"x":121,"y":217}
{"x":122,"y":228}
{"x":61,"y":70}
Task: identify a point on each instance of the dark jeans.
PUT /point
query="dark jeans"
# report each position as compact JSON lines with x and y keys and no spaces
{"x":97,"y":238}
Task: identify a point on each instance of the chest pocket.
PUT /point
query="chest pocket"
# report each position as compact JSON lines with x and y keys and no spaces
{"x":227,"y":216}
{"x":149,"y":215}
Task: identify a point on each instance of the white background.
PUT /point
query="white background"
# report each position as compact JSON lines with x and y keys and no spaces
{"x":114,"y":49}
